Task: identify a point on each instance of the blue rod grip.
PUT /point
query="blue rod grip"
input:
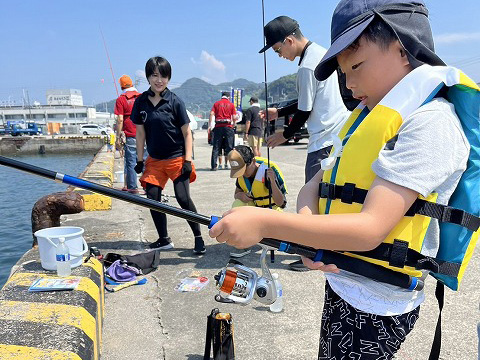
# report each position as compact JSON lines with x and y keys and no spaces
{"x":213,"y":221}
{"x":318,"y":256}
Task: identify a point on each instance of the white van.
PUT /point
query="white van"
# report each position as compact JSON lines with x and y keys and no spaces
{"x":93,"y":129}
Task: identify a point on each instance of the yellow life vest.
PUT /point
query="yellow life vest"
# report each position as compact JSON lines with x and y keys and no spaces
{"x":257,"y":189}
{"x":365,"y":134}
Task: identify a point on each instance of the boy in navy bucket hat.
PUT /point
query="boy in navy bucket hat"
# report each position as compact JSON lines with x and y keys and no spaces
{"x":404,"y":144}
{"x":408,"y":19}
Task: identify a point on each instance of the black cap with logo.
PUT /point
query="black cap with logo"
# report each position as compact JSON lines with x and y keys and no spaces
{"x":277,"y":30}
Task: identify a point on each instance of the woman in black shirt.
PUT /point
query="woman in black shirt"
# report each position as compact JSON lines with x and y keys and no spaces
{"x":162,"y":122}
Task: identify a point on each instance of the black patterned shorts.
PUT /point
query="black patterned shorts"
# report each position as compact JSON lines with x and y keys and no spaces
{"x":348,"y":333}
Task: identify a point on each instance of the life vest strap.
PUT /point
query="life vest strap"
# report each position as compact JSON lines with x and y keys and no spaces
{"x":349,"y":193}
{"x":444,"y":213}
{"x":263,"y":206}
{"x":260,"y":198}
{"x":399,"y":255}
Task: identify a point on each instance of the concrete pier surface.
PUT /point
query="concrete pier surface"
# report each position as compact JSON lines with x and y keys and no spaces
{"x":153,"y":321}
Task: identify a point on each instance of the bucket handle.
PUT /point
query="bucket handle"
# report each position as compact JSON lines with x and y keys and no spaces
{"x":85,"y":246}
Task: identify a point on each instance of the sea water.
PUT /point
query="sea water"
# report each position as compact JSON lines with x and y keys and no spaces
{"x":18,"y":193}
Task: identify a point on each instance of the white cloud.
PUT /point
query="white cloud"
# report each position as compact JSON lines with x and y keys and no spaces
{"x":140,"y":73}
{"x":456,"y":37}
{"x":206,"y":79}
{"x":213,"y":70}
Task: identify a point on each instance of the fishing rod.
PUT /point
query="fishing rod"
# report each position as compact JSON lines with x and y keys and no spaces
{"x":109,"y":62}
{"x":267,"y":126}
{"x":342,"y":261}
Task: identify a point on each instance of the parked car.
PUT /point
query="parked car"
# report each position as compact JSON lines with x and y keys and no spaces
{"x":300,"y":134}
{"x":93,"y":129}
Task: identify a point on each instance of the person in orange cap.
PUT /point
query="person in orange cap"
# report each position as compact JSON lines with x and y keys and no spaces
{"x":126,"y":131}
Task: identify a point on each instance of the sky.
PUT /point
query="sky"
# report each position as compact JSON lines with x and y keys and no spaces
{"x":58,"y":44}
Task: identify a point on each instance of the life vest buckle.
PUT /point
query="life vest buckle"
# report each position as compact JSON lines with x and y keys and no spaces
{"x":327,"y":191}
{"x":347,"y":193}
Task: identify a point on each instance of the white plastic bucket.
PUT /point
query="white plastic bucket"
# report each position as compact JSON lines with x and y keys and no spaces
{"x":48,"y":241}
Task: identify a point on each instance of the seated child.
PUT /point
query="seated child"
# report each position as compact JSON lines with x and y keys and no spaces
{"x":253,"y":183}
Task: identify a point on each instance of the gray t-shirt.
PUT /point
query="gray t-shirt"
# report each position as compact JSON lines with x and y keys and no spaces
{"x":430,"y":155}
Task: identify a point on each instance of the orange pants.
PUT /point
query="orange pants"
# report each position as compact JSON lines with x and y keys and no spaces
{"x":157,"y":172}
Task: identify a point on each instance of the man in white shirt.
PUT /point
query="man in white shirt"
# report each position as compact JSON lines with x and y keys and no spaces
{"x":319,"y":105}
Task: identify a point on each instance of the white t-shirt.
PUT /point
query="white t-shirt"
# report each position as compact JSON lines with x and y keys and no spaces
{"x":430,"y":155}
{"x":322,"y":98}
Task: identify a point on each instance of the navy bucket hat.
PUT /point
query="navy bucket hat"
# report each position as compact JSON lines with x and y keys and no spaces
{"x":407,"y":18}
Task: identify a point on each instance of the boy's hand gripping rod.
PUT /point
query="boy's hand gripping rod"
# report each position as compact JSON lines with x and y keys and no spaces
{"x":342,"y":261}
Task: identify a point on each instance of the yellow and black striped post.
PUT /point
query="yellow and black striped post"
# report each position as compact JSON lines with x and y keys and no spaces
{"x":54,"y":324}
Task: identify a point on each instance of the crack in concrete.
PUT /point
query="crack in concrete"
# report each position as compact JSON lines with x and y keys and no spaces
{"x":159,"y":315}
{"x":142,"y":227}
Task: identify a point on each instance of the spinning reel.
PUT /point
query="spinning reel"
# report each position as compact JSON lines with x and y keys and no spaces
{"x":239,"y":284}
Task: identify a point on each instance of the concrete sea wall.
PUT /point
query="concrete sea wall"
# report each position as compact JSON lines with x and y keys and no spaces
{"x":50,"y":144}
{"x":58,"y":324}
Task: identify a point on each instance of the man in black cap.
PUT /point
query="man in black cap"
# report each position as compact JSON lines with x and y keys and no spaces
{"x":319,"y":104}
{"x":254,"y":126}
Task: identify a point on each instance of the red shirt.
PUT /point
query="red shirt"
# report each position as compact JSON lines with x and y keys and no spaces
{"x":123,"y":106}
{"x":224,"y":110}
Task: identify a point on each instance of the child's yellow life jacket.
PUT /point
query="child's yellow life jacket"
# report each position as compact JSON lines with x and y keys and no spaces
{"x":345,"y":186}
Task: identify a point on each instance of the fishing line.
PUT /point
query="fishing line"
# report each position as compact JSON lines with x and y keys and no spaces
{"x":267,"y":126}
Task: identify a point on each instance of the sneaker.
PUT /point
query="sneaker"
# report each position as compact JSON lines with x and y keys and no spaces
{"x":213,"y":169}
{"x":298,"y":266}
{"x":226,"y":167}
{"x":162,"y":244}
{"x":240,"y":253}
{"x":199,"y":246}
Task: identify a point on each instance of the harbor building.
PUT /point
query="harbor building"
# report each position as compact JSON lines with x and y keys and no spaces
{"x":63,"y":106}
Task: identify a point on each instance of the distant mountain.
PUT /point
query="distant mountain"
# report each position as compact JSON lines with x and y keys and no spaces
{"x":199,"y":95}
{"x":109,"y":106}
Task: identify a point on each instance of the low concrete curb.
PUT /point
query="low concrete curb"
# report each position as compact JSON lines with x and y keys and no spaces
{"x":55,"y":324}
